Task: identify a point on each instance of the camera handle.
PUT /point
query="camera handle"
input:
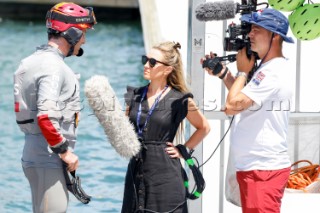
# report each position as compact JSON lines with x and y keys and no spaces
{"x":231,"y":58}
{"x":215,"y":65}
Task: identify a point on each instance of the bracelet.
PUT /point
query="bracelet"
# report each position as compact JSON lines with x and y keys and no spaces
{"x":190,"y":151}
{"x":224,"y":73}
{"x":242,"y":74}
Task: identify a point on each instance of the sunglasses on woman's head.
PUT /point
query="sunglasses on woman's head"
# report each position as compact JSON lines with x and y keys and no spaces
{"x":152,"y":61}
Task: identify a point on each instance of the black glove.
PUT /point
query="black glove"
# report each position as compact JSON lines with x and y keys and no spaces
{"x":74,"y":185}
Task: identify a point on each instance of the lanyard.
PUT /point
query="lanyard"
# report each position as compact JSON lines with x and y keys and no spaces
{"x":150,"y":111}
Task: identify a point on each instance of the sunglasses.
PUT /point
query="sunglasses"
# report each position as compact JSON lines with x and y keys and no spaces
{"x":91,"y":14}
{"x":152,"y":61}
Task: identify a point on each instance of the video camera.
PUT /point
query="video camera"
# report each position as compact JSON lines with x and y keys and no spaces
{"x":237,"y":36}
{"x":233,"y":42}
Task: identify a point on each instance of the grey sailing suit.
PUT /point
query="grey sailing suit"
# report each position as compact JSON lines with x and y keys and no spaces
{"x":47,"y":108}
{"x":47,"y":105}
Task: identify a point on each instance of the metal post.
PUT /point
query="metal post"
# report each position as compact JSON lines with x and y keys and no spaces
{"x":222,"y":132}
{"x":297,"y":100}
{"x":196,"y":50}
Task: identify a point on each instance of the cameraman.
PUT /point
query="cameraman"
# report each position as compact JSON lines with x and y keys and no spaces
{"x":259,"y":130}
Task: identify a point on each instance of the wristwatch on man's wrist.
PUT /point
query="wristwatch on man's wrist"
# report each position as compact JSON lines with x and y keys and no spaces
{"x":242,"y":74}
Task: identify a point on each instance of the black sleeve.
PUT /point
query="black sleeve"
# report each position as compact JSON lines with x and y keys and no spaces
{"x":185,"y":104}
{"x":183,"y":107}
{"x":129,"y":95}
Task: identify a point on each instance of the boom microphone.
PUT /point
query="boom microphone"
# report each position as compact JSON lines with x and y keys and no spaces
{"x":216,"y":11}
{"x":115,"y":123}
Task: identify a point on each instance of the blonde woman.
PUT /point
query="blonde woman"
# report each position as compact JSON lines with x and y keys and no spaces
{"x":154,"y":180}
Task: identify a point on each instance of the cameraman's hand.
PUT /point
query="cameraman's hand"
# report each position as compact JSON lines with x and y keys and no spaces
{"x":210,"y":71}
{"x":212,"y":55}
{"x":244,"y":64}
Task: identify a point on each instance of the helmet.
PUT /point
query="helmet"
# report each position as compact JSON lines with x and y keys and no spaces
{"x":305,"y":22}
{"x":65,"y":15}
{"x":285,"y":5}
{"x":68,"y":20}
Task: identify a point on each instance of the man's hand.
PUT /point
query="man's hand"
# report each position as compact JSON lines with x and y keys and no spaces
{"x":215,"y":68}
{"x":71,"y":159}
{"x":244,"y":64}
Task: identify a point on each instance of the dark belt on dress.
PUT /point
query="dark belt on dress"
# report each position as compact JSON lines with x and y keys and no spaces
{"x":154,"y":142}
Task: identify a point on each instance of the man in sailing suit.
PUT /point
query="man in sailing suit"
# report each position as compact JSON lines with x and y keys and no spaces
{"x":47,"y":106}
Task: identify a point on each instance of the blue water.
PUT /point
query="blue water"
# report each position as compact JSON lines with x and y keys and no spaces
{"x":113,"y":50}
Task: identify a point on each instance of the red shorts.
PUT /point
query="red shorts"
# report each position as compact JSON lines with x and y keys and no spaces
{"x":261,"y":191}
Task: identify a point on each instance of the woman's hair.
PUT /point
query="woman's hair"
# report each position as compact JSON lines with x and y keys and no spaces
{"x":171,"y":56}
{"x":176,"y":79}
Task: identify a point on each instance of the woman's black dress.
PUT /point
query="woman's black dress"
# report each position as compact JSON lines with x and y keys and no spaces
{"x":154,"y":181}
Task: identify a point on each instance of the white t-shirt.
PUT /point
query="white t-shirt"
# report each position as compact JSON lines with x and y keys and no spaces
{"x":259,"y":134}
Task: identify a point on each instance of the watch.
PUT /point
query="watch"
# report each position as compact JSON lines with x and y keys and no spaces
{"x":242,"y":74}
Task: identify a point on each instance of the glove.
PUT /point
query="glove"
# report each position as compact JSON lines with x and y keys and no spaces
{"x":74,"y":185}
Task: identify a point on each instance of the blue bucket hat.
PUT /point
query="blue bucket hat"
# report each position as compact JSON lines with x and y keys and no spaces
{"x":271,"y":20}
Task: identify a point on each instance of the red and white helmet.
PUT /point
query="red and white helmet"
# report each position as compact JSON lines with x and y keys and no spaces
{"x":65,"y":15}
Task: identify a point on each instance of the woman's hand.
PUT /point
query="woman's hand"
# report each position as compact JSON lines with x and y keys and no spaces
{"x":172,"y":151}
